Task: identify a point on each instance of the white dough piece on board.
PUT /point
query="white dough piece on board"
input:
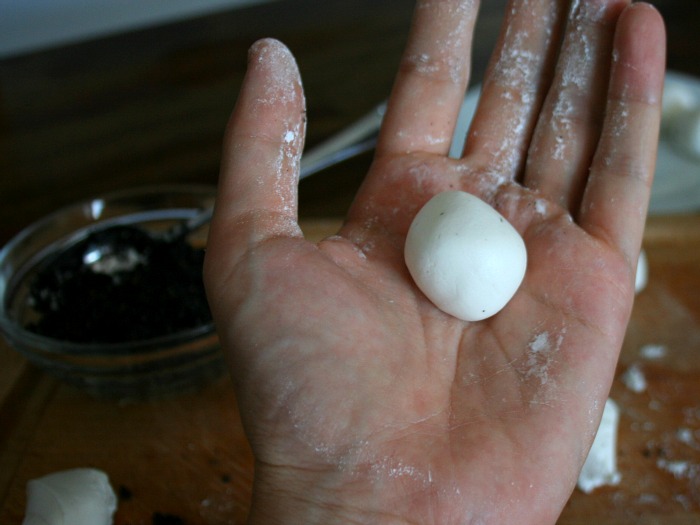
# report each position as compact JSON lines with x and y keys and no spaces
{"x":600,"y":467}
{"x":465,"y":256}
{"x":81,"y":496}
{"x":642,"y":275}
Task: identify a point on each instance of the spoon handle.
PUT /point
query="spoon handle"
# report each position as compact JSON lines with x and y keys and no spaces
{"x":183,"y":229}
{"x":357,"y":138}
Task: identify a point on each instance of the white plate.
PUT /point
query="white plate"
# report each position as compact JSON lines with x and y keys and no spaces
{"x":677,"y":181}
{"x":676,"y":186}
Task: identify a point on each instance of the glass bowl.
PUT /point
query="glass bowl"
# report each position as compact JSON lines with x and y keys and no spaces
{"x":181,"y":360}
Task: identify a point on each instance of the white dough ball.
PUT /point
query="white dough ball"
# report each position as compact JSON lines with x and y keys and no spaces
{"x":465,"y":256}
{"x":81,"y":496}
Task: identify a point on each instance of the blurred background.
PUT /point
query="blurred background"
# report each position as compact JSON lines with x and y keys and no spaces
{"x":103,"y":95}
{"x":98,"y":96}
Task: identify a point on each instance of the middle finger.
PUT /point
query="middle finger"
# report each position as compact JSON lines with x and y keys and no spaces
{"x":432,"y":78}
{"x":514,"y":86}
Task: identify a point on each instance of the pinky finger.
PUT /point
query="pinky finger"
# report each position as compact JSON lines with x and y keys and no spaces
{"x":616,"y":198}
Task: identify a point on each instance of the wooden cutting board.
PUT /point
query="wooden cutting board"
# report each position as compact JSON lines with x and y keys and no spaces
{"x":186,"y":456}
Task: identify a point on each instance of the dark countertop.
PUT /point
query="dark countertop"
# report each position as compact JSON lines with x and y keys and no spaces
{"x":149,"y":106}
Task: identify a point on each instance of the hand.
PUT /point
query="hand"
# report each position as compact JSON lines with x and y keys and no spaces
{"x":363,"y":403}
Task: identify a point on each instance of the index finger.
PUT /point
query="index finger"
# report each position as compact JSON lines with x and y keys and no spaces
{"x":432,"y":78}
{"x":257,"y":192}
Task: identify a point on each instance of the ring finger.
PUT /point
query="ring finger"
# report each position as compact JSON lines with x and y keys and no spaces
{"x":569,"y":125}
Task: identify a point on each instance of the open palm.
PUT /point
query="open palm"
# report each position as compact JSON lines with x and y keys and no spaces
{"x":362,"y":401}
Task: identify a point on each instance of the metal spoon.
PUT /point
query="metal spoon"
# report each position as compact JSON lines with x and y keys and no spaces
{"x":121,"y":248}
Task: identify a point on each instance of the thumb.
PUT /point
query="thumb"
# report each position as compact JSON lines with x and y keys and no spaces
{"x":257,"y":195}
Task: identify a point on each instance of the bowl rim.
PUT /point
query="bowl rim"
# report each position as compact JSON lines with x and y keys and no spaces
{"x":13,"y":332}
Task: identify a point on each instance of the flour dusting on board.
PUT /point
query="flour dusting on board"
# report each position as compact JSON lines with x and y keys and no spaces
{"x":634,"y":379}
{"x":653,"y":351}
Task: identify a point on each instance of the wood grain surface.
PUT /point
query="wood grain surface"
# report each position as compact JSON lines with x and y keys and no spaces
{"x":187,"y":456}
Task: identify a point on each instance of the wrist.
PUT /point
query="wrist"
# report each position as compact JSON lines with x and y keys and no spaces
{"x":289,"y":496}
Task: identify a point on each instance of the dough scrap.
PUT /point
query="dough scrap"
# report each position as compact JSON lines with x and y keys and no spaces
{"x":81,"y":496}
{"x":465,"y":256}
